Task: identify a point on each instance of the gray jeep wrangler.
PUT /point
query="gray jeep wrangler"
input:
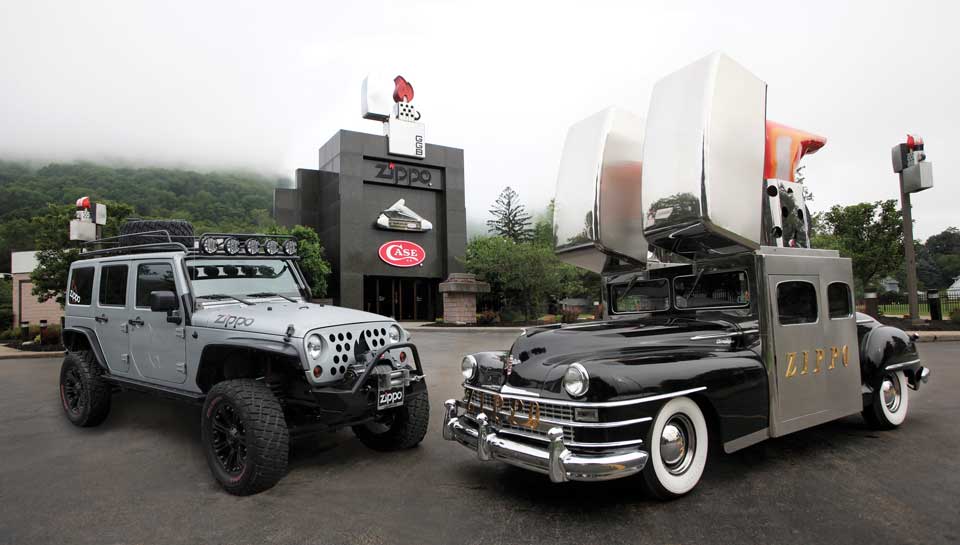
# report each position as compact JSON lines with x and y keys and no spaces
{"x":225,"y":320}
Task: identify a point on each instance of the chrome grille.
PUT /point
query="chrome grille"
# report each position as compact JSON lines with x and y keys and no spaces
{"x":514,"y":413}
{"x":339,"y":343}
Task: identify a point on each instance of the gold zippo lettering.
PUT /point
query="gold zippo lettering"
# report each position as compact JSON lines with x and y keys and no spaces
{"x":841,"y":353}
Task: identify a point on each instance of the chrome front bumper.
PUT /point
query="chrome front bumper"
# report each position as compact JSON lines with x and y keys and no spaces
{"x":556,"y":461}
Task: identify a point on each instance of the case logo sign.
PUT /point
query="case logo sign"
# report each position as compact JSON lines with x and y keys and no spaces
{"x":401,"y":253}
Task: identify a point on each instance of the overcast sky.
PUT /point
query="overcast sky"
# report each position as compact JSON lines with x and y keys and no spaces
{"x":261,"y":85}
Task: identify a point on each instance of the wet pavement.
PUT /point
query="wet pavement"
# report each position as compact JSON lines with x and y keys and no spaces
{"x":141,"y":477}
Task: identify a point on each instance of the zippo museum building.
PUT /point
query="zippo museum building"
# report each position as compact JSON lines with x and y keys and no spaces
{"x":389,"y":210}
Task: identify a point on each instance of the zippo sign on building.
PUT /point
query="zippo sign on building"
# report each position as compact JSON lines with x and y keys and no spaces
{"x":389,"y":209}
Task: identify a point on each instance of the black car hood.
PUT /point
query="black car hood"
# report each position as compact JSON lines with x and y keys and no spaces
{"x":541,"y":356}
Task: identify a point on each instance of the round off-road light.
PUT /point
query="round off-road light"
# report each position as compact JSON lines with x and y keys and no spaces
{"x":576,"y":381}
{"x":394,"y":333}
{"x":290,"y":247}
{"x":252,"y":246}
{"x":314,"y":346}
{"x":468,"y":367}
{"x":209,"y":245}
{"x":271,"y":247}
{"x":231,"y":246}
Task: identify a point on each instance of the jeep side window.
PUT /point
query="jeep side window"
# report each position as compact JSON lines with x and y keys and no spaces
{"x":796,"y":303}
{"x":113,"y":285}
{"x":81,"y":286}
{"x":838,"y":300}
{"x":153,"y":277}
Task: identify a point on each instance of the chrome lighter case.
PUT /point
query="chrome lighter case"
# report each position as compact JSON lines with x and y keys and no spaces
{"x":597,"y":205}
{"x":703,"y":160}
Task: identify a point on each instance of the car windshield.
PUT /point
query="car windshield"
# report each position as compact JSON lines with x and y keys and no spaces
{"x":641,"y":296}
{"x":242,"y":278}
{"x":713,"y":289}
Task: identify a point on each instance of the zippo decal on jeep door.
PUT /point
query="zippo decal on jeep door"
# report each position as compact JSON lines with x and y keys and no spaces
{"x":229,"y":320}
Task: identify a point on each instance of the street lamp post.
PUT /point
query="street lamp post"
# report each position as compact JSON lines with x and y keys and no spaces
{"x":916,"y":174}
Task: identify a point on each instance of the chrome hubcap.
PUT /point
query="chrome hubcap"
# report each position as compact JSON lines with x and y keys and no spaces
{"x":678,"y":442}
{"x":891,"y":394}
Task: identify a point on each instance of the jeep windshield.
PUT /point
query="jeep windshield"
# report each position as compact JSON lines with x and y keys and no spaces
{"x":242,"y":279}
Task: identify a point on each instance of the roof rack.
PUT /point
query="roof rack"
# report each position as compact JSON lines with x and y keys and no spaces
{"x":119,"y":248}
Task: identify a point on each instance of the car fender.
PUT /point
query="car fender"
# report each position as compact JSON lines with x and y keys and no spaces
{"x":69,"y":336}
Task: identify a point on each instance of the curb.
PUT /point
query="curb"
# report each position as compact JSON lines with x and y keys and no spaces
{"x":26,"y":355}
{"x":940,"y":337}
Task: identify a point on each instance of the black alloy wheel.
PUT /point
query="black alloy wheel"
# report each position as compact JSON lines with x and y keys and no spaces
{"x":228,"y":439}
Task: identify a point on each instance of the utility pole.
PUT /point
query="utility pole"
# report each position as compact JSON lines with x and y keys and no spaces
{"x":916,"y":174}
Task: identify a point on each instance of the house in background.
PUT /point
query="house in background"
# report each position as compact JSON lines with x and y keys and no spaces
{"x":890,"y":284}
{"x":26,"y":308}
{"x":954,"y":289}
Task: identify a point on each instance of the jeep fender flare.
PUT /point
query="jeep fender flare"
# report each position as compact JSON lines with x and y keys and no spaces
{"x":274,"y":349}
{"x":71,"y":336}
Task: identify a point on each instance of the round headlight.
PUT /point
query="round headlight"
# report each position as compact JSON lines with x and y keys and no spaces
{"x":576,"y":381}
{"x":314,"y":346}
{"x":272,"y":247}
{"x":468,"y":367}
{"x":290,"y":247}
{"x":209,"y":245}
{"x":231,"y":246}
{"x":393,"y":333}
{"x":252,"y":246}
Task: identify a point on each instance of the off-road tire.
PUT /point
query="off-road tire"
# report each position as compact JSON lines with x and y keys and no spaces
{"x":180,"y":231}
{"x":264,"y":434}
{"x":880,"y":417}
{"x":406,"y":430}
{"x":80,"y":374}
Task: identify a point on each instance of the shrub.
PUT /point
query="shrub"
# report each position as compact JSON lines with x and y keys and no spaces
{"x":512,"y":315}
{"x":487,"y":317}
{"x":955,"y":316}
{"x":570,"y":316}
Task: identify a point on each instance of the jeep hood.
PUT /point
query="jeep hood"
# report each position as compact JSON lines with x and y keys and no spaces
{"x":272,"y":317}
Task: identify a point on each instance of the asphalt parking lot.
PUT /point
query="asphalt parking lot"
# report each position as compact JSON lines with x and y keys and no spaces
{"x":141,"y":477}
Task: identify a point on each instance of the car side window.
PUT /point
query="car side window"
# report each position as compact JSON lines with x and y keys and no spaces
{"x":796,"y":302}
{"x":838,"y":300}
{"x":113,"y":285}
{"x":153,"y":277}
{"x":81,"y":286}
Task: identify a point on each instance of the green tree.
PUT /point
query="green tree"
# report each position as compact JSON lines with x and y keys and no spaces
{"x":577,"y":282}
{"x":510,"y":218}
{"x":312,"y":262}
{"x":55,"y":250}
{"x":6,"y":304}
{"x":871,"y":234}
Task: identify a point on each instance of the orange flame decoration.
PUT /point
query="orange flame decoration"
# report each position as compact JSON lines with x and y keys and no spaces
{"x":785,"y":147}
{"x":402,"y":90}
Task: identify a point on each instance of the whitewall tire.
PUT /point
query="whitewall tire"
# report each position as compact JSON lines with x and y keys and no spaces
{"x":677,"y":443}
{"x":888,"y":408}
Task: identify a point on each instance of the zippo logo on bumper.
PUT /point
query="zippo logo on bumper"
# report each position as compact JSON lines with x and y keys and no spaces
{"x":401,"y":253}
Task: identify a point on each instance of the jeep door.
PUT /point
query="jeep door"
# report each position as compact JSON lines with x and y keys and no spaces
{"x":157,"y":346}
{"x":111,"y":313}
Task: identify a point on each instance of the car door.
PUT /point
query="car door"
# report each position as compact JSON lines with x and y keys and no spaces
{"x":157,"y":346}
{"x":111,"y":313}
{"x":799,"y":358}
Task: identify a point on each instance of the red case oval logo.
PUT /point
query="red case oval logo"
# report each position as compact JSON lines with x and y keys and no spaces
{"x":402,"y":253}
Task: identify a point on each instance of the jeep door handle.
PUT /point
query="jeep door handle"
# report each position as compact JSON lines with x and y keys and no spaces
{"x":101,"y":319}
{"x":135,"y":322}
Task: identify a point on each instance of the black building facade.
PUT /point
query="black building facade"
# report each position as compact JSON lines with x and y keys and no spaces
{"x":387,"y":256}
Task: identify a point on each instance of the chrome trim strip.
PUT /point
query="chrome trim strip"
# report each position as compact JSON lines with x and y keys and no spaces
{"x":621,"y":403}
{"x":507,"y":389}
{"x":604,"y":445}
{"x":903,"y":364}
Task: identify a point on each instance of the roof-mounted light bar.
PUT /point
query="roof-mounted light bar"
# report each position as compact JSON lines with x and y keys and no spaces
{"x":253,"y":244}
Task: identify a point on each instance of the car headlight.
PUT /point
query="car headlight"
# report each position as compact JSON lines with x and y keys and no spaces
{"x":314,"y":346}
{"x":576,"y":381}
{"x":394,"y":334}
{"x":468,"y":367}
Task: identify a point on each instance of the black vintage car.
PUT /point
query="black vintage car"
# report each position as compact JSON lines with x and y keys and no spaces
{"x":732,"y":330}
